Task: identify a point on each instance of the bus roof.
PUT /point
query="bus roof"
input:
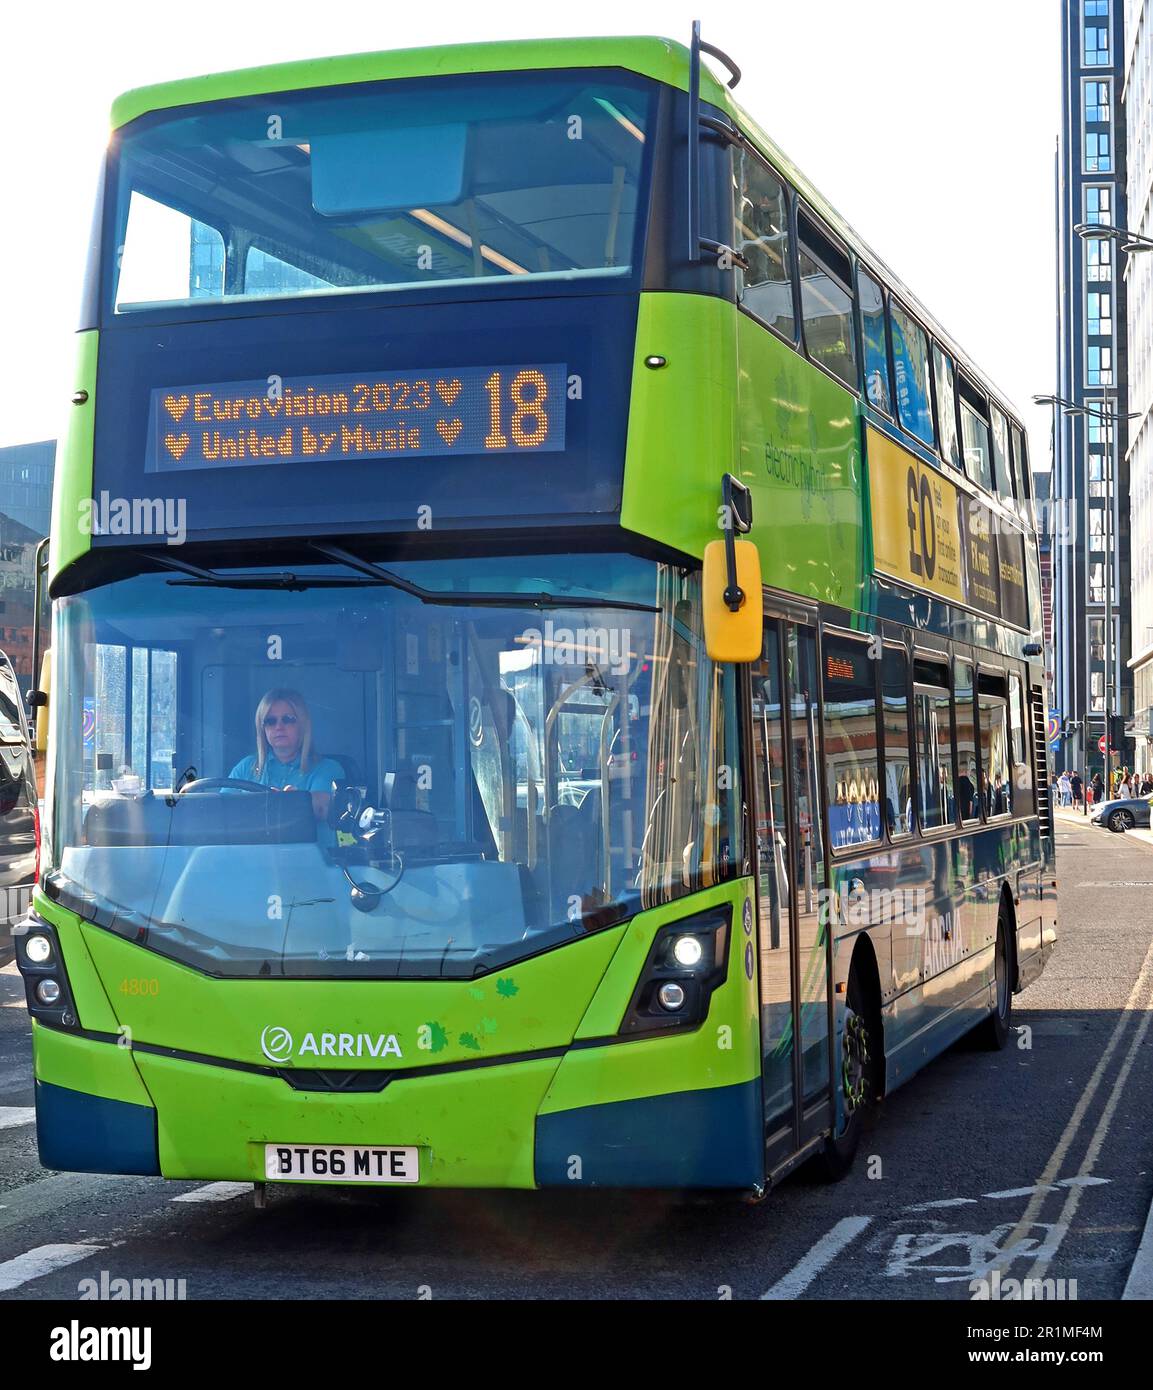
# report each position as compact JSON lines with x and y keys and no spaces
{"x":664,"y":60}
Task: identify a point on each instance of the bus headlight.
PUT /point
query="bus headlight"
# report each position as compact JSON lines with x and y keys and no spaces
{"x":687,"y":951}
{"x":48,"y":992}
{"x":671,"y":996}
{"x":46,"y":988}
{"x":686,"y":962}
{"x":38,"y":949}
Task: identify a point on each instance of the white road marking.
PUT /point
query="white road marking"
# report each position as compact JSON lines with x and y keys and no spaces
{"x":1139,"y":1285}
{"x":216,"y":1192}
{"x":45,"y":1259}
{"x":1083,"y":1180}
{"x":12,"y":1116}
{"x":1057,"y":1157}
{"x":1079,"y":1183}
{"x":819,"y":1257}
{"x":1019,"y":1191}
{"x":925,"y":1252}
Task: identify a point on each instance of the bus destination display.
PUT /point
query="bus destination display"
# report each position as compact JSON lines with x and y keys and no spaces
{"x":424,"y":411}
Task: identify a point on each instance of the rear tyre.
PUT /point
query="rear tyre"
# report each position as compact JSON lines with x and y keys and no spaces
{"x":1120,"y":821}
{"x":993,"y":1033}
{"x":858,"y":1071}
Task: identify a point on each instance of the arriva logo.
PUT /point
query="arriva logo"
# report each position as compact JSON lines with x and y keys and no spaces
{"x":276,"y":1044}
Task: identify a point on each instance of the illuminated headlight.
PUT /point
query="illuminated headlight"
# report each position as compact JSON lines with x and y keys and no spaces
{"x":47,"y":992}
{"x":687,"y":951}
{"x":38,"y":949}
{"x":686,"y":962}
{"x":671,"y":996}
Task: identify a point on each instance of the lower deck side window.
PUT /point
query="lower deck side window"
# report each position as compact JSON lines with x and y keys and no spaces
{"x":936,"y":804}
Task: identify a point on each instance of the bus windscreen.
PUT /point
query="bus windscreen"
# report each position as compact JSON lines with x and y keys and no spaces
{"x":379,"y":186}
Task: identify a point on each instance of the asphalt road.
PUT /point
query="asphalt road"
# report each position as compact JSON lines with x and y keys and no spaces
{"x":1033,"y":1162}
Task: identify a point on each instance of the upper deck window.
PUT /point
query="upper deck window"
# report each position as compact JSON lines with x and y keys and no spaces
{"x":975,"y":438}
{"x":946,"y":406}
{"x":1001,"y":473}
{"x":876,"y":348}
{"x":387,"y":185}
{"x":827,"y":302}
{"x":911,"y":363}
{"x":762,"y":236}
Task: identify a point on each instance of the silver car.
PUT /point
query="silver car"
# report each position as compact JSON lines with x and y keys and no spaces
{"x":1123,"y":813}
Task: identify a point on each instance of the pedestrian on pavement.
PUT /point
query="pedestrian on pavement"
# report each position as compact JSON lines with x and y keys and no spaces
{"x":1077,"y":787}
{"x":1064,"y":790}
{"x":1098,"y":788}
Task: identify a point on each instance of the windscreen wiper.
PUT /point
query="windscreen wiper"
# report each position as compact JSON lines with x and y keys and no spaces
{"x":370,"y":575}
{"x":456,"y":598}
{"x":201,"y":577}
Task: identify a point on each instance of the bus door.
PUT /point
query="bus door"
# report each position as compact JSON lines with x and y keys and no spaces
{"x":792,"y":939}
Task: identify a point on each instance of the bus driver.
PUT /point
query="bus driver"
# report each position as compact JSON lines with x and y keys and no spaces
{"x":284,"y":758}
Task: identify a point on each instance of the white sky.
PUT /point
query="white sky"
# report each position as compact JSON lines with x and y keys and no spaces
{"x":930,"y":125}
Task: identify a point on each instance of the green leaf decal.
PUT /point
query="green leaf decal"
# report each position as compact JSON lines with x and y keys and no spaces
{"x":438,"y":1038}
{"x":475,"y":993}
{"x":468,"y":1040}
{"x":507,"y":988}
{"x":488,"y":1025}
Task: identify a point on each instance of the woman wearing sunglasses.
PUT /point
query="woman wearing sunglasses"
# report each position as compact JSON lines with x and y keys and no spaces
{"x":285,"y":759}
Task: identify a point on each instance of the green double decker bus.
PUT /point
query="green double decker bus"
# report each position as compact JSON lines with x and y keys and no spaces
{"x":545,"y":687}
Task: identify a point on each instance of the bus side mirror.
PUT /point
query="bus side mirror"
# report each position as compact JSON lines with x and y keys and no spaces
{"x":38,"y":703}
{"x":733,"y":634}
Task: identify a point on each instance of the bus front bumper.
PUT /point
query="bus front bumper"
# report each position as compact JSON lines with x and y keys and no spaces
{"x":511,"y":1125}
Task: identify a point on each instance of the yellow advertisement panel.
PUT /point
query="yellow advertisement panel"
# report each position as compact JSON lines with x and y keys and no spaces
{"x":917,"y":534}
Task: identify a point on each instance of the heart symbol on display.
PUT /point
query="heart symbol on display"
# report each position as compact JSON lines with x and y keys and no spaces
{"x":449,"y":429}
{"x":176,"y":406}
{"x":448,"y":390}
{"x":176,"y":444}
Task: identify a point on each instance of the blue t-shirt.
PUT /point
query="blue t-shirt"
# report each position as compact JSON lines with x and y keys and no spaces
{"x":319,"y":777}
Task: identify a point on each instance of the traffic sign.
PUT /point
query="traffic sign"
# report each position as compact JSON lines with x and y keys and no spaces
{"x":1101,"y":743}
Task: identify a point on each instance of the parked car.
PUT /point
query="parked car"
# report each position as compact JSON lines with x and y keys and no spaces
{"x":19,"y":816}
{"x":1123,"y":813}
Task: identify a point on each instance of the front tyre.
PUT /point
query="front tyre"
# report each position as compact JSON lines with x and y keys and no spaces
{"x":858,"y":1071}
{"x":1120,"y":821}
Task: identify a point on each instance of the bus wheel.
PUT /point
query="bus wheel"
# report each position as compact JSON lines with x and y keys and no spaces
{"x":857,"y":1071}
{"x":993,"y":1032}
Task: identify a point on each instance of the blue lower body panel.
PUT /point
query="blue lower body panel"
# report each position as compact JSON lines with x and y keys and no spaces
{"x":712,"y":1138}
{"x":79,"y":1133}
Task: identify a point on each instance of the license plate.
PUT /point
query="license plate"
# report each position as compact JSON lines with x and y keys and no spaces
{"x":339,"y":1163}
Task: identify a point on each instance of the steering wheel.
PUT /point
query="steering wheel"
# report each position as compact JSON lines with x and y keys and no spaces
{"x":214,"y":784}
